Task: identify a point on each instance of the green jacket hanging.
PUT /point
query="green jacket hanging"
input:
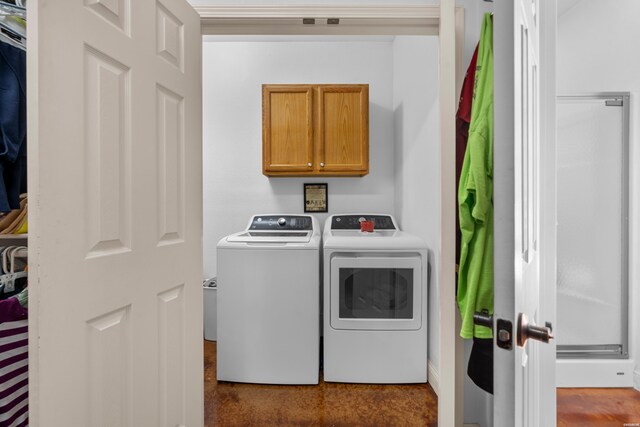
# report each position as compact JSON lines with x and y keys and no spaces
{"x":475,"y":194}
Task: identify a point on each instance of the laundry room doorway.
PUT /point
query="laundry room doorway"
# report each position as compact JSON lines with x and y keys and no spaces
{"x":281,"y":50}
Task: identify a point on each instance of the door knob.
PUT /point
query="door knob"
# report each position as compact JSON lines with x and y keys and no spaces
{"x":526,"y":331}
{"x":309,"y":164}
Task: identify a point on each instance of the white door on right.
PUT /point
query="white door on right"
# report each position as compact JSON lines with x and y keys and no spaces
{"x":524,"y":201}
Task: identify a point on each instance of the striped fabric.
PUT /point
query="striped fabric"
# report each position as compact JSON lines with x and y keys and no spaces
{"x":14,"y":381}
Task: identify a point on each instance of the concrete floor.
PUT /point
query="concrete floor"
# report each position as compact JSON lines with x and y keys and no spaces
{"x":326,"y":404}
{"x":332,"y":404}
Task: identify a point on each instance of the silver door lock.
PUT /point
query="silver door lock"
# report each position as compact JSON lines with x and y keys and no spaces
{"x":504,"y":337}
{"x":505,"y":334}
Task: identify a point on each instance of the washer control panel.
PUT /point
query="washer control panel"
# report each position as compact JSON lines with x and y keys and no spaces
{"x":352,"y":222}
{"x":280,"y":222}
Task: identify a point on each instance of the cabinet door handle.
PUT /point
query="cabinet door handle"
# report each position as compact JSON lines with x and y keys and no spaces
{"x":309,"y":164}
{"x":321,"y":165}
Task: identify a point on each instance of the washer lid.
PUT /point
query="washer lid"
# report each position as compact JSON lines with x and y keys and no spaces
{"x":378,"y":240}
{"x":277,"y":229}
{"x":271,"y":236}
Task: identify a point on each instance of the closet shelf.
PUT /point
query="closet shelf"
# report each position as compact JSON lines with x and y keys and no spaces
{"x":20,"y":239}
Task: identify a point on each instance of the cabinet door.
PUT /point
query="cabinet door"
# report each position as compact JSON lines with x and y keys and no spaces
{"x":343,"y":129}
{"x":287,"y":134}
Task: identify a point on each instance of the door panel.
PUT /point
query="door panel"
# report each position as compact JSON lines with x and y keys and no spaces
{"x":527,"y":261}
{"x":107,"y":153}
{"x":524,"y":197}
{"x":115,"y":229}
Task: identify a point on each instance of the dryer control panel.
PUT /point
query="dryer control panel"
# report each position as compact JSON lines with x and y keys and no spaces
{"x":280,"y":222}
{"x":352,"y":222}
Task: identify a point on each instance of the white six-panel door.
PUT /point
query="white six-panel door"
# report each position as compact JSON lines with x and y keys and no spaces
{"x":527,"y":201}
{"x":115,"y":218}
{"x":524,"y":41}
{"x":535,"y":207}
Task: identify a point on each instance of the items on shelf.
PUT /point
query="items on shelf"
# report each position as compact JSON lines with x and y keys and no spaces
{"x":13,"y":106}
{"x":13,"y":279}
{"x":15,"y":221}
{"x":13,"y":22}
{"x":14,"y":356}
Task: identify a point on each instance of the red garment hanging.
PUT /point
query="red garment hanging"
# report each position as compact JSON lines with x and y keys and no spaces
{"x":463,"y":119}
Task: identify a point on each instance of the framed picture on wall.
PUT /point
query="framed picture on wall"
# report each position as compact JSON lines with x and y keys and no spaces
{"x":316,"y":198}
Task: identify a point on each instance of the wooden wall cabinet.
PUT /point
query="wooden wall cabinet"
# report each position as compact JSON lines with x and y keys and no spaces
{"x":315,"y":130}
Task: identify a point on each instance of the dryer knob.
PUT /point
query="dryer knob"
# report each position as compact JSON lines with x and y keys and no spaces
{"x":282,"y":222}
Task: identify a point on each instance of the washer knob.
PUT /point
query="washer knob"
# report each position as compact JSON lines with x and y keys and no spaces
{"x":282,"y":222}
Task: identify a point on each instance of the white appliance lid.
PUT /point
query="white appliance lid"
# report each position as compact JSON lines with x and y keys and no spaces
{"x":276,"y":228}
{"x":343,"y":232}
{"x":271,"y":237}
{"x":378,"y":240}
{"x":352,"y":221}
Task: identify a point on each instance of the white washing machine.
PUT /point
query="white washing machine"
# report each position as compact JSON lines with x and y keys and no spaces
{"x":375,"y":302}
{"x":269,"y":301}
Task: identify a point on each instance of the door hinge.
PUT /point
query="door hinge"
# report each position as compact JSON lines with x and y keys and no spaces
{"x":613,"y":103}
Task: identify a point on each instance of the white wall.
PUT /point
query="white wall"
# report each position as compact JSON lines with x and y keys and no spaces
{"x":234,"y":187}
{"x":417,"y":163}
{"x":597,"y":52}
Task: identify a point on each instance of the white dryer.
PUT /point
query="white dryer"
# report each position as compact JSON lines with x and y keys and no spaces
{"x":375,"y":302}
{"x":269,"y":301}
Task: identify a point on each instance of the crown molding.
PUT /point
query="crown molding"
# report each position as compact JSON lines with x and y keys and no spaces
{"x":317,"y":11}
{"x":287,"y":19}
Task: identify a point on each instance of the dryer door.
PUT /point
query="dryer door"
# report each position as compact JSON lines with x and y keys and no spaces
{"x":376,"y":293}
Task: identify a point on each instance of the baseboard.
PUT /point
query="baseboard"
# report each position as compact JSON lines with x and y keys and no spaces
{"x":636,"y":380}
{"x":471,"y":425}
{"x":594,"y":373}
{"x":433,"y":378}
